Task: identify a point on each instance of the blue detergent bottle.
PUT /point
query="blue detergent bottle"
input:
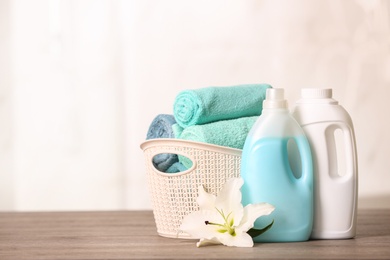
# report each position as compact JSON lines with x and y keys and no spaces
{"x":277,"y":168}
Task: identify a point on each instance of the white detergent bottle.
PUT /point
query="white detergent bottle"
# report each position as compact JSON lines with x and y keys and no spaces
{"x":330,"y":132}
{"x":269,"y":176}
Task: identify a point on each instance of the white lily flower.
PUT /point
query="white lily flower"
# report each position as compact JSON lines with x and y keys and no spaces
{"x":223,"y":219}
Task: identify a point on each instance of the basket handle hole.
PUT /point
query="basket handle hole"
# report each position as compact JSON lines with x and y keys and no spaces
{"x":171,"y":163}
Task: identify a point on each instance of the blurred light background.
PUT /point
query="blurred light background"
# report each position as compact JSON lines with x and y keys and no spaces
{"x":80,"y":82}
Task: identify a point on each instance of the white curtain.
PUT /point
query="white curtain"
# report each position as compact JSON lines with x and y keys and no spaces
{"x":80,"y":82}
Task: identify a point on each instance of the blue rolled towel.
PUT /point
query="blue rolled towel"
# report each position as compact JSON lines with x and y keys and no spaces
{"x":205,"y":105}
{"x":161,"y":127}
{"x":231,"y":133}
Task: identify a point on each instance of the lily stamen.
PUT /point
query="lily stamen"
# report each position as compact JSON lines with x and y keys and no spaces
{"x":227,"y":226}
{"x":211,"y":223}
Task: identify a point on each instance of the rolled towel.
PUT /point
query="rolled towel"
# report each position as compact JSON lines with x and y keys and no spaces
{"x":205,"y":105}
{"x":161,"y":127}
{"x":231,"y":133}
{"x":164,"y":161}
{"x":176,"y":167}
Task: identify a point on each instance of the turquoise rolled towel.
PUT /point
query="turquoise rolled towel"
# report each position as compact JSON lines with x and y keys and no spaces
{"x":230,"y":133}
{"x":176,"y":167}
{"x":205,"y":105}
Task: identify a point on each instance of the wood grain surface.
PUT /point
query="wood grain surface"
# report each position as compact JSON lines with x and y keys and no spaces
{"x":132,"y":235}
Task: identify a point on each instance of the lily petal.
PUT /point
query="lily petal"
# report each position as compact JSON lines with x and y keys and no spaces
{"x":194,"y":223}
{"x":240,"y":240}
{"x":229,"y":198}
{"x":253,"y":212}
{"x":206,"y":201}
{"x":207,"y":242}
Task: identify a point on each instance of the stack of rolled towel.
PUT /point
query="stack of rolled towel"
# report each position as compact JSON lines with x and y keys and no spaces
{"x":215,"y":115}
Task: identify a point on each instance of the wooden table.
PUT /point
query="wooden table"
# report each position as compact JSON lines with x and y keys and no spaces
{"x":132,"y":235}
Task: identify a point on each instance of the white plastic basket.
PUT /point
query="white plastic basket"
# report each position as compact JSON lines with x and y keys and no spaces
{"x":173,"y":195}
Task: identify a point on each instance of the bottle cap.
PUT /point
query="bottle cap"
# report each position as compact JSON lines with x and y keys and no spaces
{"x":317,"y":96}
{"x":316,"y":93}
{"x":275,"y":98}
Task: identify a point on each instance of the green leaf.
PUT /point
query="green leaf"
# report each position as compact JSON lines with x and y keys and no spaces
{"x":257,"y":232}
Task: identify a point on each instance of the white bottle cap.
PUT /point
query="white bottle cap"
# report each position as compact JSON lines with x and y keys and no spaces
{"x":316,"y":93}
{"x":275,"y":98}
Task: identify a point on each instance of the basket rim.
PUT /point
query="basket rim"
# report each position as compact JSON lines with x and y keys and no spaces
{"x":187,"y":143}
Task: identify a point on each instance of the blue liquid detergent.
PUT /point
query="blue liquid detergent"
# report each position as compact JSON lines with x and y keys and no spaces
{"x":268,"y":177}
